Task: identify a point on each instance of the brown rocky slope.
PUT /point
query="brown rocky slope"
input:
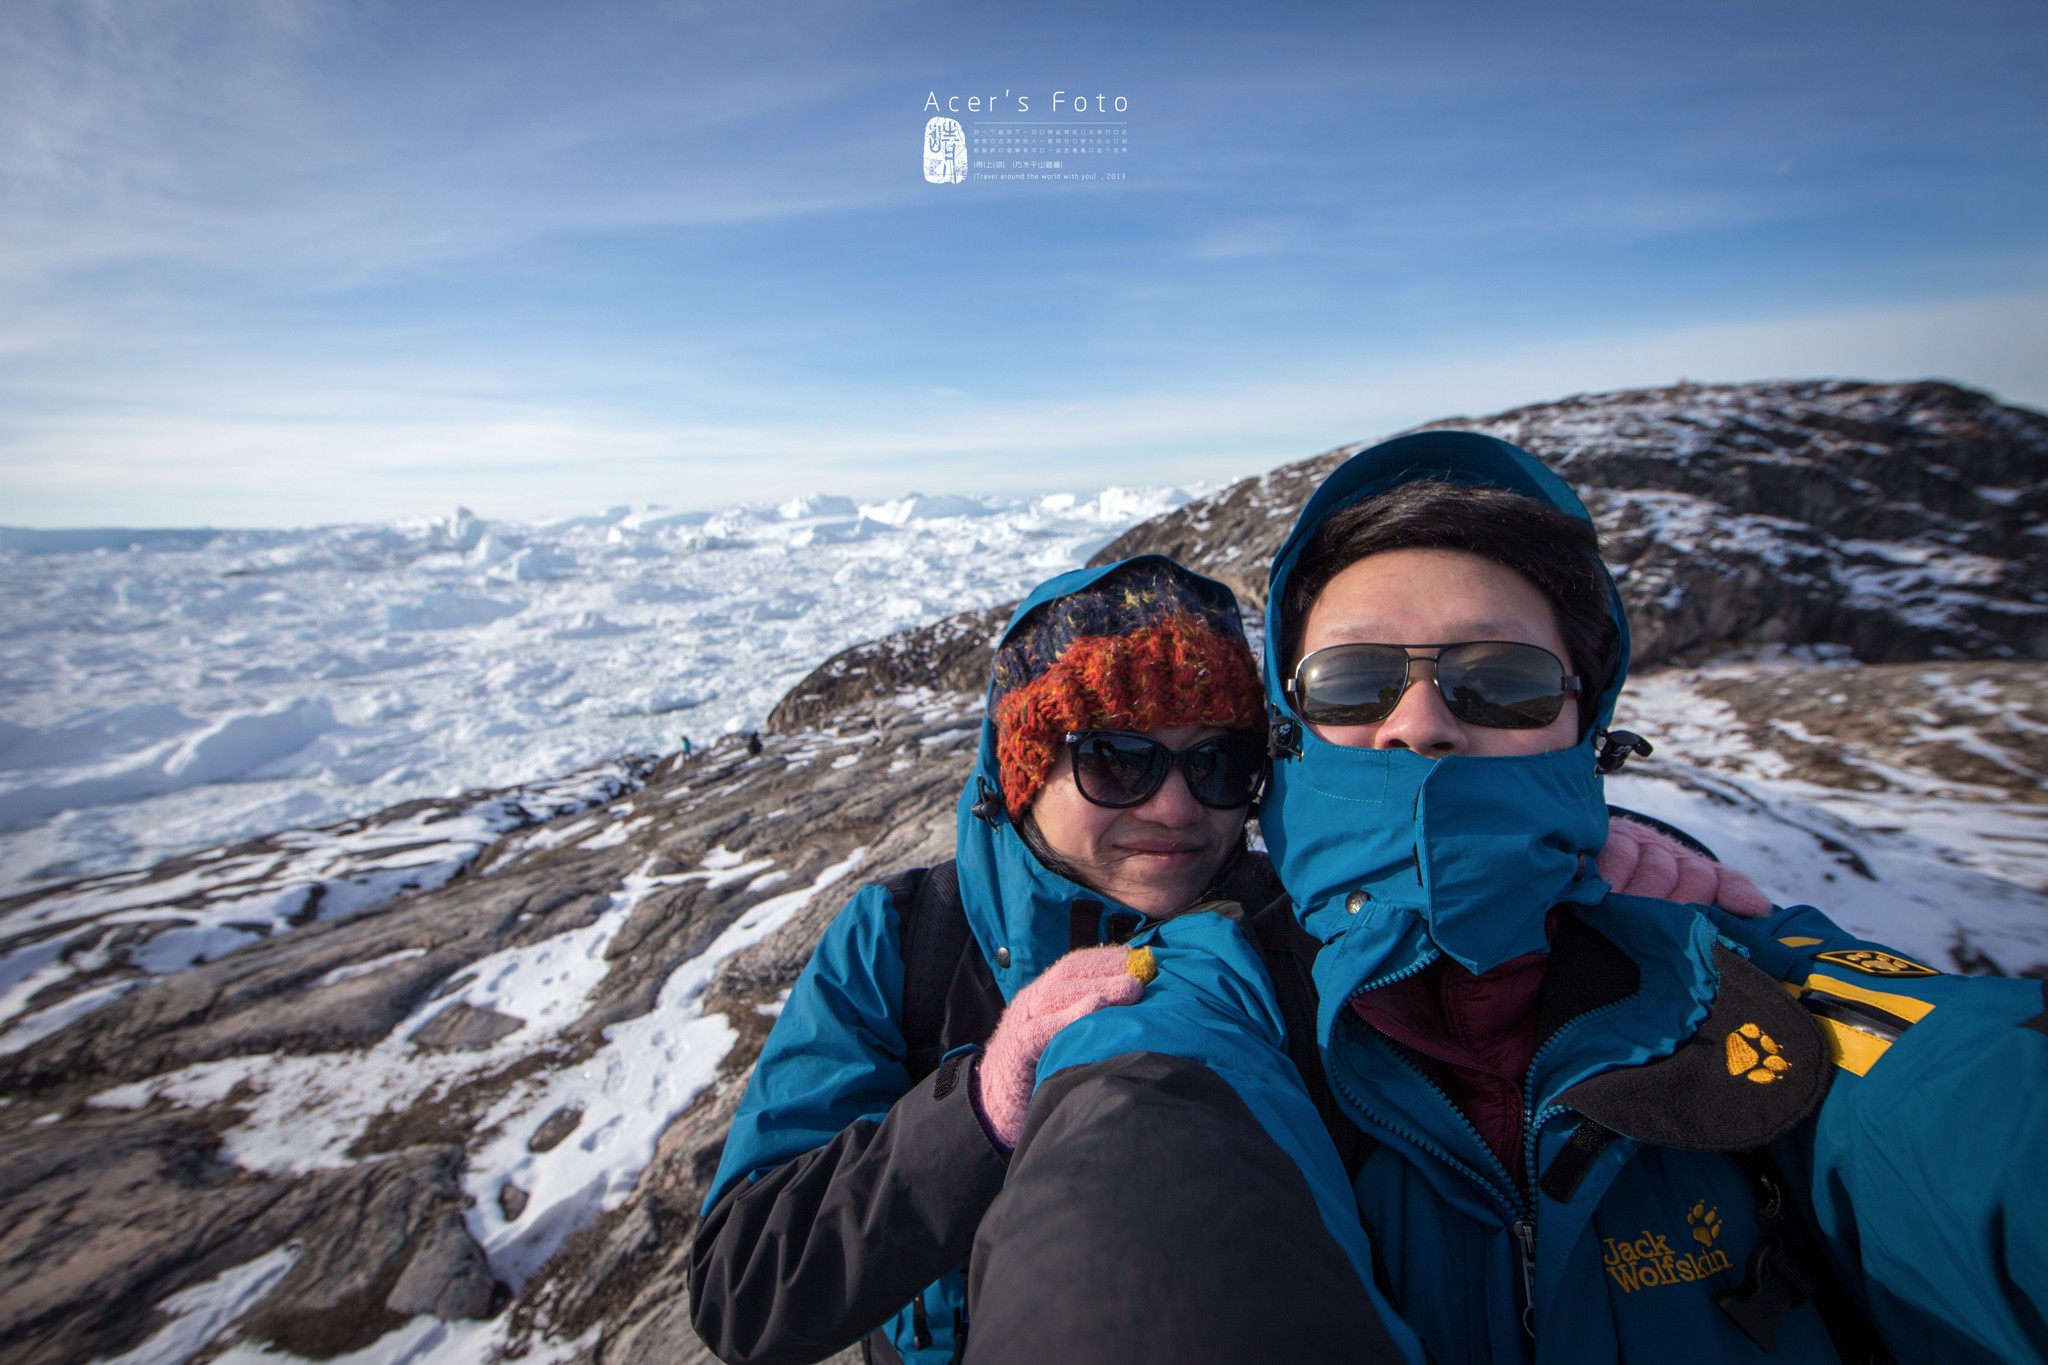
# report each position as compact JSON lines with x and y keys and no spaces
{"x":1894,"y":522}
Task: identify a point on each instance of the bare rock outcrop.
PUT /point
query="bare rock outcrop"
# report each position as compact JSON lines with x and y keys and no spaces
{"x":1898,"y":520}
{"x":108,"y":1214}
{"x":949,"y":655}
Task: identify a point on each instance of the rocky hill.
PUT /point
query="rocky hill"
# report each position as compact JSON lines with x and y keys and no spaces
{"x":448,"y":1082}
{"x":1902,"y":521}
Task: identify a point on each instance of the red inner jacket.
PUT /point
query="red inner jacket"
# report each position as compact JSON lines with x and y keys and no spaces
{"x":1474,"y":1035}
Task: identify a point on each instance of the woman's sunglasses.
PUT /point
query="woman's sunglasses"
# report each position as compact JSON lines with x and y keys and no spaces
{"x":1499,"y":684}
{"x":1119,"y":768}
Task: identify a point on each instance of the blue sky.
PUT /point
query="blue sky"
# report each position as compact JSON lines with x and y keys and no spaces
{"x":280,"y":262}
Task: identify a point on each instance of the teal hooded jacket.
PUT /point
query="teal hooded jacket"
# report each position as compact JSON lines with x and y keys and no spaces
{"x":1702,"y":1080}
{"x":847,"y":1195}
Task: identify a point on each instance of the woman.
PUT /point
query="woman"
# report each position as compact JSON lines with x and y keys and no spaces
{"x":848,"y":1193}
{"x":1124,"y":743}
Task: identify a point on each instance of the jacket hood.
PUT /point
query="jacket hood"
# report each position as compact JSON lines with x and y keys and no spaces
{"x":1402,"y":856}
{"x":1023,"y":914}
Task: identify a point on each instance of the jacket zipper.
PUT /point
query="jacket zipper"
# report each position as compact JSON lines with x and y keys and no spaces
{"x":1532,"y":1128}
{"x":1520,"y":1219}
{"x":1520,"y":1209}
{"x":1525,"y":1233}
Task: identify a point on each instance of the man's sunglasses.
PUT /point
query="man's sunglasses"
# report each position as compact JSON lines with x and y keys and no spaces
{"x":1499,"y":684}
{"x":1119,"y":768}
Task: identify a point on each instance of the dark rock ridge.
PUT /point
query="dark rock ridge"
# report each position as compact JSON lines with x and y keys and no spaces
{"x":124,"y":1175}
{"x":949,"y":655}
{"x":1900,"y":520}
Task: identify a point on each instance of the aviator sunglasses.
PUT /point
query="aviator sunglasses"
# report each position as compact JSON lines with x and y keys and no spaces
{"x":1120,"y":769}
{"x":1499,"y":684}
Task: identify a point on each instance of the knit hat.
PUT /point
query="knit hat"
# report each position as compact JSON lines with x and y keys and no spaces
{"x":1146,"y":647}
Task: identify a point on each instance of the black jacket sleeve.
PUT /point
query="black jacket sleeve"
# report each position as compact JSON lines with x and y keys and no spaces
{"x":1149,"y":1218}
{"x":823,"y":1249}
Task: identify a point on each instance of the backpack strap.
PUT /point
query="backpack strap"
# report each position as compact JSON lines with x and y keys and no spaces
{"x":1290,"y":953}
{"x":932,"y":933}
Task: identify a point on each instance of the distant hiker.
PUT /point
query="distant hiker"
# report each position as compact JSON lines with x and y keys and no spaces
{"x":1571,"y":1124}
{"x":753,"y":744}
{"x":686,"y":747}
{"x":1123,"y":743}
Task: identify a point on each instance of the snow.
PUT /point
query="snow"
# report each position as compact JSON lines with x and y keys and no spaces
{"x":43,"y":1023}
{"x":430,"y":1339}
{"x":234,"y":745}
{"x":167,"y":690}
{"x":141,"y":751}
{"x":216,"y":903}
{"x":1913,"y":890}
{"x":648,"y":1071}
{"x":304,"y":1113}
{"x":199,"y":1314}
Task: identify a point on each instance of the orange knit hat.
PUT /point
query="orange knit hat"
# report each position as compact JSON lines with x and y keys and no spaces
{"x":1148,"y":647}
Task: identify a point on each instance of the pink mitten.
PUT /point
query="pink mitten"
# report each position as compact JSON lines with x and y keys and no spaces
{"x":1641,"y":861}
{"x":1080,"y":983}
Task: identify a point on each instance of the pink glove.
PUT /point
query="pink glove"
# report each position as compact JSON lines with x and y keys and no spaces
{"x":1641,"y":861}
{"x":1080,"y":983}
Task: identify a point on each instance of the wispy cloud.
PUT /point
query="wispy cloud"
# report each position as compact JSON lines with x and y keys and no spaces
{"x":340,"y":140}
{"x":522,"y":459}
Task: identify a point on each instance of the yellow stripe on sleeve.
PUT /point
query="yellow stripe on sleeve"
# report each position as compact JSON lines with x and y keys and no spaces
{"x":1904,"y":1006}
{"x":1853,"y":1050}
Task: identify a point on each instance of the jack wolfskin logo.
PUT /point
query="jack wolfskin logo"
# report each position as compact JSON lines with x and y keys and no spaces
{"x":1706,"y":1223}
{"x":1874,"y":963}
{"x":1752,"y":1053}
{"x":945,"y":151}
{"x":1648,"y":1262}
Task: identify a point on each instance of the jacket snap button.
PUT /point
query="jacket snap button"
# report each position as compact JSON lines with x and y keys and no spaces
{"x":1355,"y":902}
{"x":1002,"y":957}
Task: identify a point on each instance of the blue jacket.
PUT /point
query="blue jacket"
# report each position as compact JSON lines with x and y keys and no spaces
{"x":846,"y":1194}
{"x":1905,"y":1112}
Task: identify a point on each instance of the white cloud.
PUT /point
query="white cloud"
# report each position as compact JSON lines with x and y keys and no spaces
{"x":306,"y":454}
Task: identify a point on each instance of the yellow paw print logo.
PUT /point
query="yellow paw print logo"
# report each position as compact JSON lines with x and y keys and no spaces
{"x":1706,"y":1223}
{"x":1754,"y":1054}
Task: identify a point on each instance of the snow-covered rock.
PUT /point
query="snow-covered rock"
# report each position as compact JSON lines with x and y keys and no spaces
{"x":1896,"y":519}
{"x":446,"y":611}
{"x":813,"y":506}
{"x":379,"y":1066}
{"x":528,"y":1068}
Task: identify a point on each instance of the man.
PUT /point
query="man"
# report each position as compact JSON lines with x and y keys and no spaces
{"x":1580,"y":1125}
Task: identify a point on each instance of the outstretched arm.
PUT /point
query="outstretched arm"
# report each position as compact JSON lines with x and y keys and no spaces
{"x":1150,"y":1217}
{"x":1929,"y":1154}
{"x":1174,"y":1195}
{"x":1080,"y":983}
